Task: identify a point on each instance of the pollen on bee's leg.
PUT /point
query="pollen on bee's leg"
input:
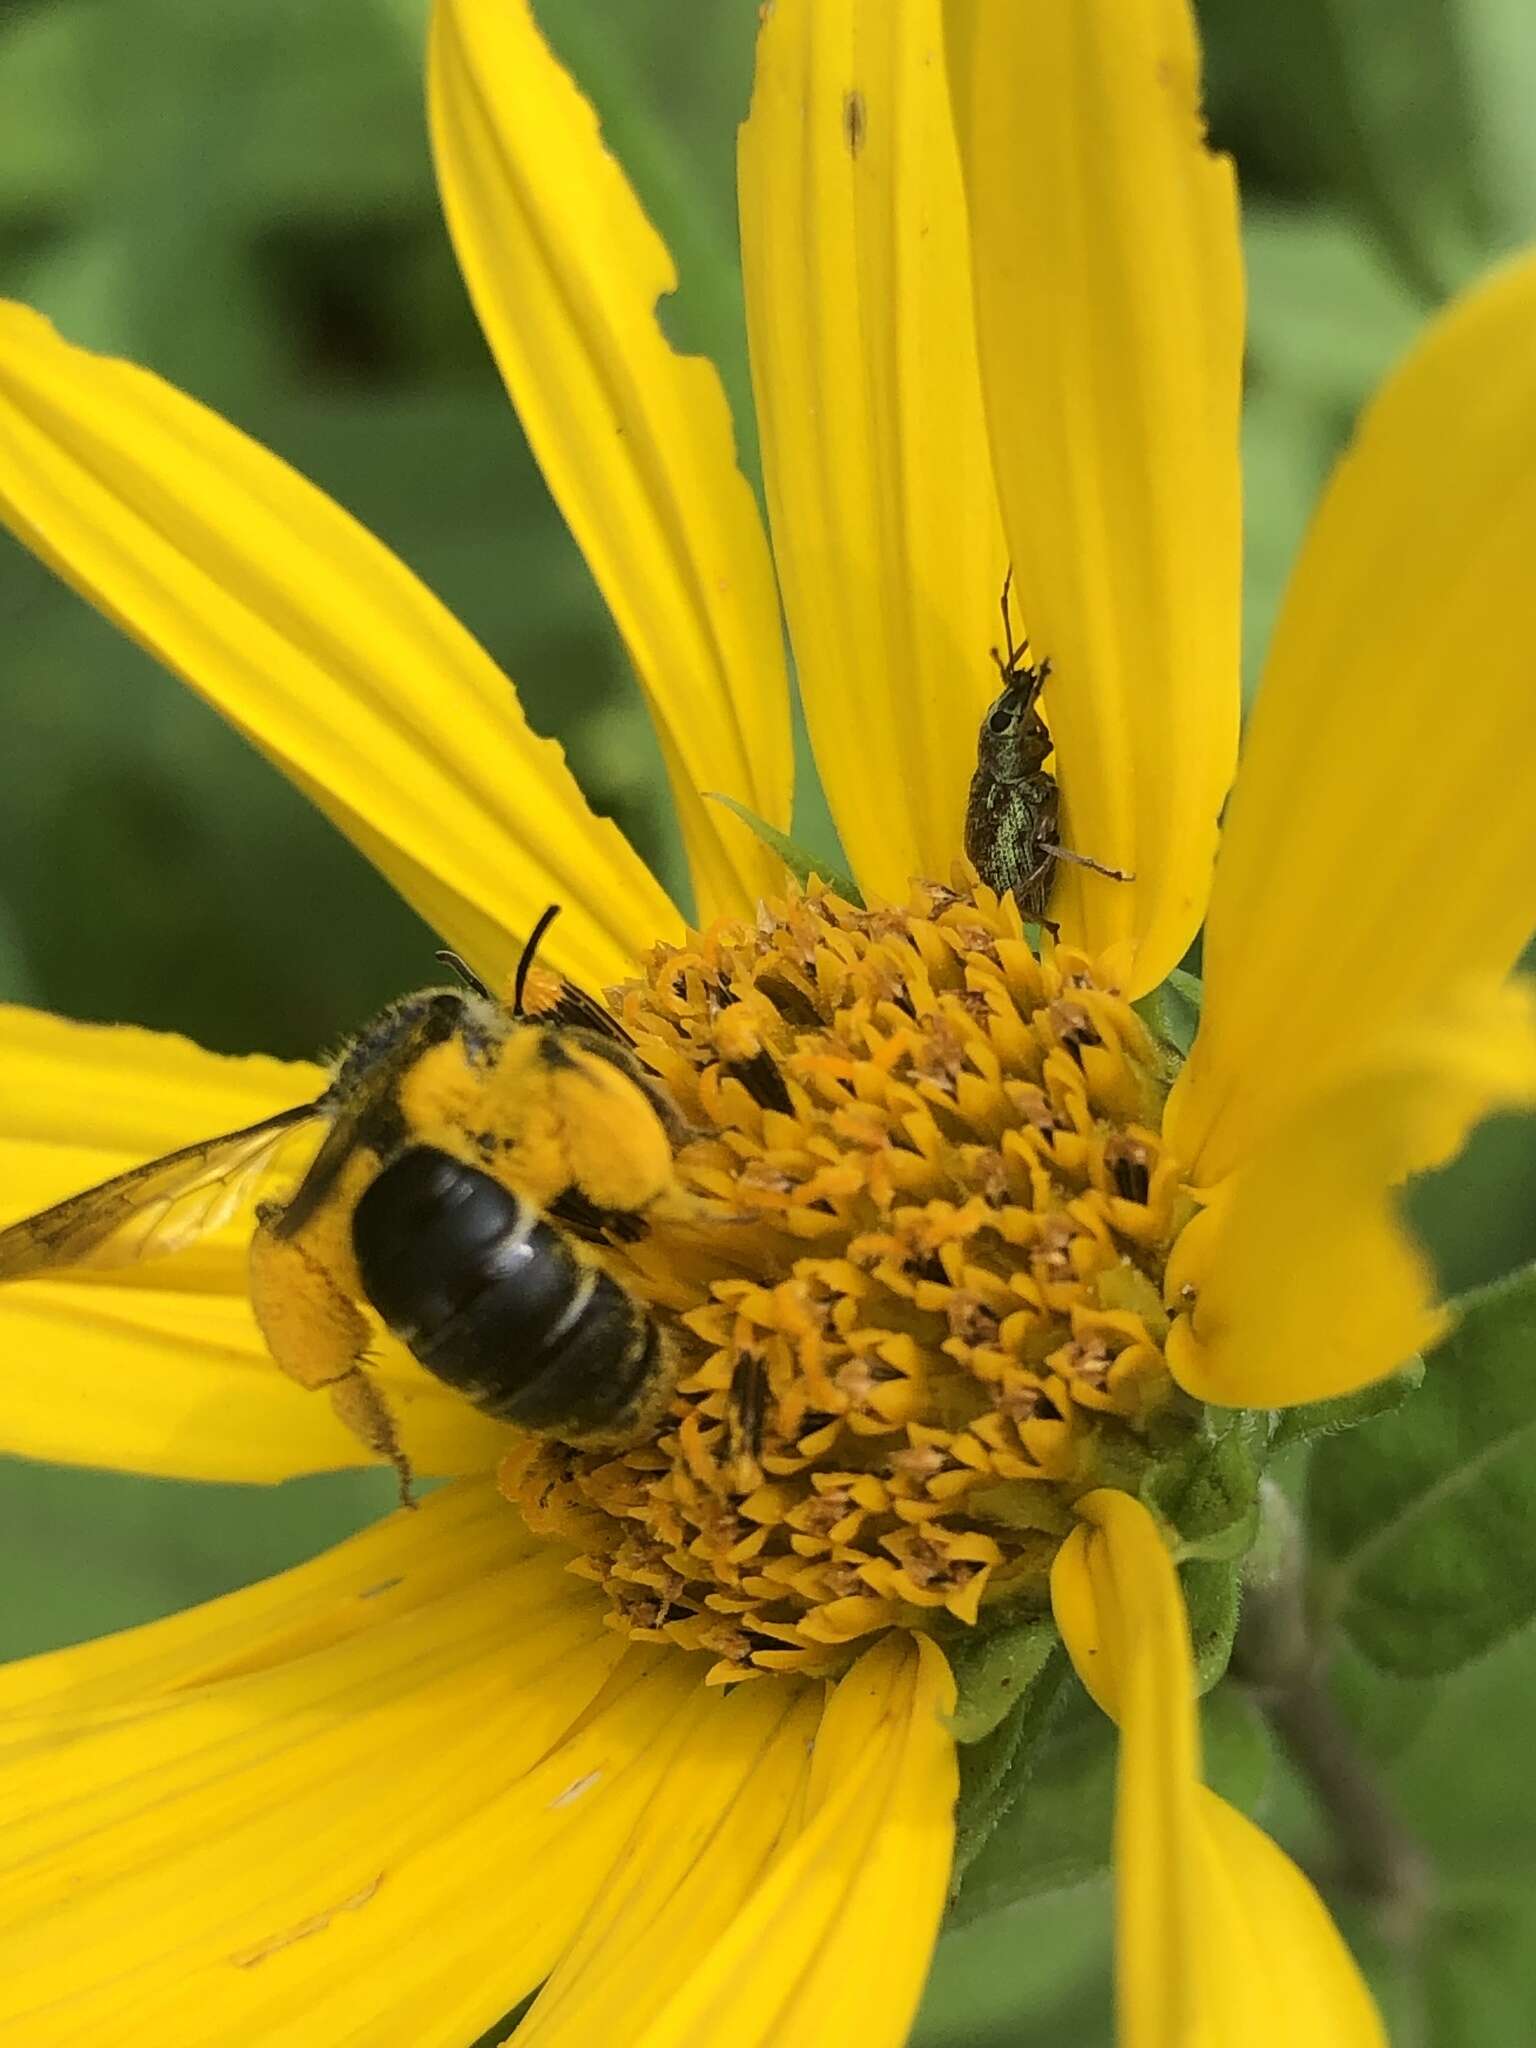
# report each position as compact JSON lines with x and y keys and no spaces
{"x":361,"y":1408}
{"x":930,"y":1311}
{"x":745,"y":1058}
{"x":319,"y":1336}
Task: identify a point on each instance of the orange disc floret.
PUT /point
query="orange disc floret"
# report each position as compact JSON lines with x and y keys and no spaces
{"x":931,"y":1313}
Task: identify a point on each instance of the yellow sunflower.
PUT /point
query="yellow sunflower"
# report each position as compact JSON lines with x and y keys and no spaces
{"x":996,"y":1267}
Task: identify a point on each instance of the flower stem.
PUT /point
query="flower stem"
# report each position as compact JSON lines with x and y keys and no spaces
{"x":1279,"y":1658}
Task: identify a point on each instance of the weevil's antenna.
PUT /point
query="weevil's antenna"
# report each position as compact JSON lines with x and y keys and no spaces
{"x":465,"y":972}
{"x":529,"y":951}
{"x":1008,"y":665}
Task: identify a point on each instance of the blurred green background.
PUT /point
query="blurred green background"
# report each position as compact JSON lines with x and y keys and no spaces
{"x":240,"y":196}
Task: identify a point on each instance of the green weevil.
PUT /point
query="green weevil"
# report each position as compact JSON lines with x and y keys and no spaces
{"x":1012,"y":818}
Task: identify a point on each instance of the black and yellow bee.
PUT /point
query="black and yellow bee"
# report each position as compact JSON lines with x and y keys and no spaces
{"x":475,"y":1155}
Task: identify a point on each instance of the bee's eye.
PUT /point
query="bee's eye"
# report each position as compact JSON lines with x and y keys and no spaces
{"x":1000,"y":720}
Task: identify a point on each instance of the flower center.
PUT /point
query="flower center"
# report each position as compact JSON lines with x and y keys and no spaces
{"x":936,"y":1316}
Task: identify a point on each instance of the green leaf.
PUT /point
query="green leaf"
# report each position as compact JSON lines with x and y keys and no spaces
{"x":1172,"y":1011}
{"x":87,"y":1552}
{"x":1477,"y":1213}
{"x":1480,"y":1981}
{"x":1238,"y":1749}
{"x":1038,"y":1971}
{"x":801,"y":863}
{"x":1424,"y":1525}
{"x":1328,"y":1418}
{"x":1329,"y":312}
{"x":1498,"y":43}
{"x":1056,"y":1831}
{"x":1463,"y":1976}
{"x":44,"y":56}
{"x":1366,"y":100}
{"x":1386,"y":1713}
{"x":1466,"y":1976}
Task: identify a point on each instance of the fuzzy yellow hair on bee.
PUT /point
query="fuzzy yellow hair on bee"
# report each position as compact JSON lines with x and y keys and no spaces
{"x":476,"y":1161}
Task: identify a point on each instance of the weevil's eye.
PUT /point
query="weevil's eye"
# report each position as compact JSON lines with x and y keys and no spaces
{"x":1000,"y":720}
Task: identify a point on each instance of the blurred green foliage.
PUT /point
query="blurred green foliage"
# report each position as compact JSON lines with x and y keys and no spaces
{"x":241,"y":197}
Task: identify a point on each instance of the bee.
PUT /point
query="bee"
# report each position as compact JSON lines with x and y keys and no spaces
{"x":1013,"y":815}
{"x":474,"y":1156}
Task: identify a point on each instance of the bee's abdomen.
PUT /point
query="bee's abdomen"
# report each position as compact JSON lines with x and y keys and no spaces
{"x":493,"y":1301}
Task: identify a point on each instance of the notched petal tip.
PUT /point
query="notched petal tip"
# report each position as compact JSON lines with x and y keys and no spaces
{"x":317,"y":643}
{"x":1373,"y":848}
{"x":856,"y":268}
{"x":1302,"y":1278}
{"x":1219,"y":1937}
{"x":1109,"y":299}
{"x":636,"y":441}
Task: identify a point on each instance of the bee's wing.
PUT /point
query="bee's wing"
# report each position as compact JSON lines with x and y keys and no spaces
{"x":154,"y":1209}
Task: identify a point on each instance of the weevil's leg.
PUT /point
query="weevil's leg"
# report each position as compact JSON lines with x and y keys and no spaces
{"x":320,"y":1338}
{"x":1082,"y":860}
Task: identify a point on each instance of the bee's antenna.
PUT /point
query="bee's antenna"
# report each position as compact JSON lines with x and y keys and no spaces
{"x":464,"y":971}
{"x":526,"y":961}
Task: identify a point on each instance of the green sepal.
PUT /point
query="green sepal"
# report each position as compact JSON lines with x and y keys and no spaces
{"x":1327,"y":1418}
{"x":1212,"y":1590}
{"x":802,"y":864}
{"x":1423,"y":1527}
{"x":1054,"y":1827}
{"x":1207,"y":1492}
{"x":995,"y":1771}
{"x":994,"y":1671}
{"x":1172,"y":1011}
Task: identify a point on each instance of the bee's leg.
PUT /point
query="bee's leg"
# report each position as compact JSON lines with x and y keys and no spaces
{"x":1082,"y":860}
{"x":320,"y":1338}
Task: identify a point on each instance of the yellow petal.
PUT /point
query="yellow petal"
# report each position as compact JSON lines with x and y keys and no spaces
{"x":161,"y":1368}
{"x":1378,"y":843}
{"x":1109,"y":304}
{"x":634,"y":440}
{"x":320,"y":646}
{"x":428,"y":1734}
{"x":1306,"y":1280}
{"x":698,"y":1853}
{"x":408,"y":1559}
{"x":1219,"y":1937}
{"x":885,"y":521}
{"x":831,"y":1938}
{"x":1285,"y":1968}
